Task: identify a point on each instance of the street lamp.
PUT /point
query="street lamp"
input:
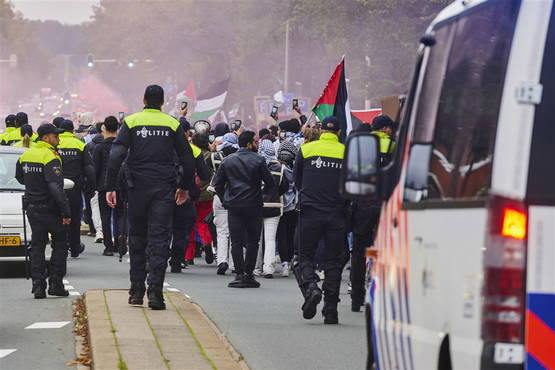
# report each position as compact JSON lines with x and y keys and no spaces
{"x":131,"y":64}
{"x":90,"y":60}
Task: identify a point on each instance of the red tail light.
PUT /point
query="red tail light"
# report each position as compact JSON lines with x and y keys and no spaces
{"x":505,"y":272}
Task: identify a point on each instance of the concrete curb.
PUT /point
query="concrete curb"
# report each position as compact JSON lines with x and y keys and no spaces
{"x":237,"y":356}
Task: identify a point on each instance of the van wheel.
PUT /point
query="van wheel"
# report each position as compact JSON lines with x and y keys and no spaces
{"x":444,"y":361}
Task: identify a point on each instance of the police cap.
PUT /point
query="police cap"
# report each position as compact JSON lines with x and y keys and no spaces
{"x":48,"y":128}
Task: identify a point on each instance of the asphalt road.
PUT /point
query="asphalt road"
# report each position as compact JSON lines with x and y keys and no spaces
{"x":264,"y":324}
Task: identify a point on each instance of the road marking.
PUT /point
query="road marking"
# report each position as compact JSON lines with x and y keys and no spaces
{"x":6,"y":352}
{"x":166,"y":284}
{"x":172,"y":290}
{"x":65,"y":281}
{"x":74,"y":292}
{"x":69,"y":287}
{"x":187,"y":296}
{"x":48,"y":325}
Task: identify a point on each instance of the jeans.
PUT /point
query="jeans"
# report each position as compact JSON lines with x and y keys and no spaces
{"x":245,"y":226}
{"x":286,"y":235}
{"x":222,"y":231}
{"x":96,"y":219}
{"x":267,"y":251}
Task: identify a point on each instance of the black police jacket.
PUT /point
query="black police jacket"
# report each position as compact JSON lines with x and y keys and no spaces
{"x":40,"y":170}
{"x":238,"y":181}
{"x":151,"y":140}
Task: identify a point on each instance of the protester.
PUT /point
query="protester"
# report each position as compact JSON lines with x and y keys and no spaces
{"x":238,"y":183}
{"x":108,"y":215}
{"x":92,"y":198}
{"x":288,"y":221}
{"x":271,"y":212}
{"x":228,"y":146}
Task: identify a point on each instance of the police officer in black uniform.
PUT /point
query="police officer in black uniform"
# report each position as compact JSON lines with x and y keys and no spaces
{"x":40,"y":170}
{"x":323,"y":215}
{"x":78,"y":167}
{"x":153,"y":140}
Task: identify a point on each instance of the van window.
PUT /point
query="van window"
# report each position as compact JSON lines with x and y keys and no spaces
{"x":464,"y":121}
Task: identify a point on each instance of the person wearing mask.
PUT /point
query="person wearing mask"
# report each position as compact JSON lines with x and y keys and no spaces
{"x":186,"y":214}
{"x":288,"y":221}
{"x":28,"y":139}
{"x":323,"y":213}
{"x":15,"y":135}
{"x":237,"y":128}
{"x":203,"y":205}
{"x":47,"y":208}
{"x":151,"y":140}
{"x":101,"y":156}
{"x":10,"y":126}
{"x":238,"y":184}
{"x":92,"y":198}
{"x":78,"y":167}
{"x":228,"y":146}
{"x":271,"y":211}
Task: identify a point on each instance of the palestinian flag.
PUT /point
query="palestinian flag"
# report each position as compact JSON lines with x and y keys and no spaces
{"x":188,"y":94}
{"x":211,"y":102}
{"x":364,"y":116}
{"x":335,"y":101}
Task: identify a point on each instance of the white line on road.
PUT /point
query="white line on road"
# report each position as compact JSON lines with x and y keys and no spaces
{"x":65,"y":281}
{"x":188,"y":297}
{"x":5,"y":352}
{"x":69,"y":287}
{"x":172,"y":290}
{"x":166,"y":284}
{"x":74,"y":292}
{"x":48,"y":325}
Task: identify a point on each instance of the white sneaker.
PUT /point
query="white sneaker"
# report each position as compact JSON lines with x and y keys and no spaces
{"x":321,"y":275}
{"x":349,"y":287}
{"x":285,"y":271}
{"x":257,"y":272}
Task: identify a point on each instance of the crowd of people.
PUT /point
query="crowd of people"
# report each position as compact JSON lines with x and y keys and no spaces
{"x":170,"y":191}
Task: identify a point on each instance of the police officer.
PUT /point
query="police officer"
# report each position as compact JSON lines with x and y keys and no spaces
{"x":153,"y":140}
{"x":323,"y":212}
{"x":15,"y":135}
{"x":185,"y":214}
{"x":10,"y":126}
{"x":78,"y":167}
{"x":40,"y":170}
{"x":384,"y":128}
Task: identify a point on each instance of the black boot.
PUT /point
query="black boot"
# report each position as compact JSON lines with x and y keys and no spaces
{"x":238,"y":282}
{"x":175,"y":269}
{"x":56,"y":288}
{"x":39,"y":289}
{"x":108,"y":252}
{"x":77,"y":250}
{"x":155,"y":298}
{"x":136,"y":294}
{"x":313,"y":296}
{"x":222,"y":268}
{"x":208,"y":254}
{"x":250,"y":282}
{"x":330,"y":313}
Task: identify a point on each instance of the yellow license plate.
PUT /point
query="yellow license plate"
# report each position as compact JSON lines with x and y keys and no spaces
{"x":9,"y":241}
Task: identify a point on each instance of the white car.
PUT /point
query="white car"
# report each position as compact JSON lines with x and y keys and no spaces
{"x":465,"y":267}
{"x":12,"y":236}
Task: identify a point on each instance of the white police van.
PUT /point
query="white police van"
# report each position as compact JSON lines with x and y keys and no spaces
{"x":465,"y":271}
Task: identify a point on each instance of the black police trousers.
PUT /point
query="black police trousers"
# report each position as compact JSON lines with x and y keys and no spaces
{"x":183,"y":222}
{"x":75,"y":199}
{"x":329,"y":224}
{"x":44,"y":220}
{"x":365,"y":220}
{"x":150,"y":217}
{"x":245,"y":227}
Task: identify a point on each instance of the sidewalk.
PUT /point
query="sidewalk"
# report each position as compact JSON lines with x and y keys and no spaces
{"x":181,"y":337}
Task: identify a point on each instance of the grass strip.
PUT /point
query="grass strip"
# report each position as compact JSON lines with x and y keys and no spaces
{"x":192,"y":332}
{"x":121,"y":364}
{"x":166,"y":361}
